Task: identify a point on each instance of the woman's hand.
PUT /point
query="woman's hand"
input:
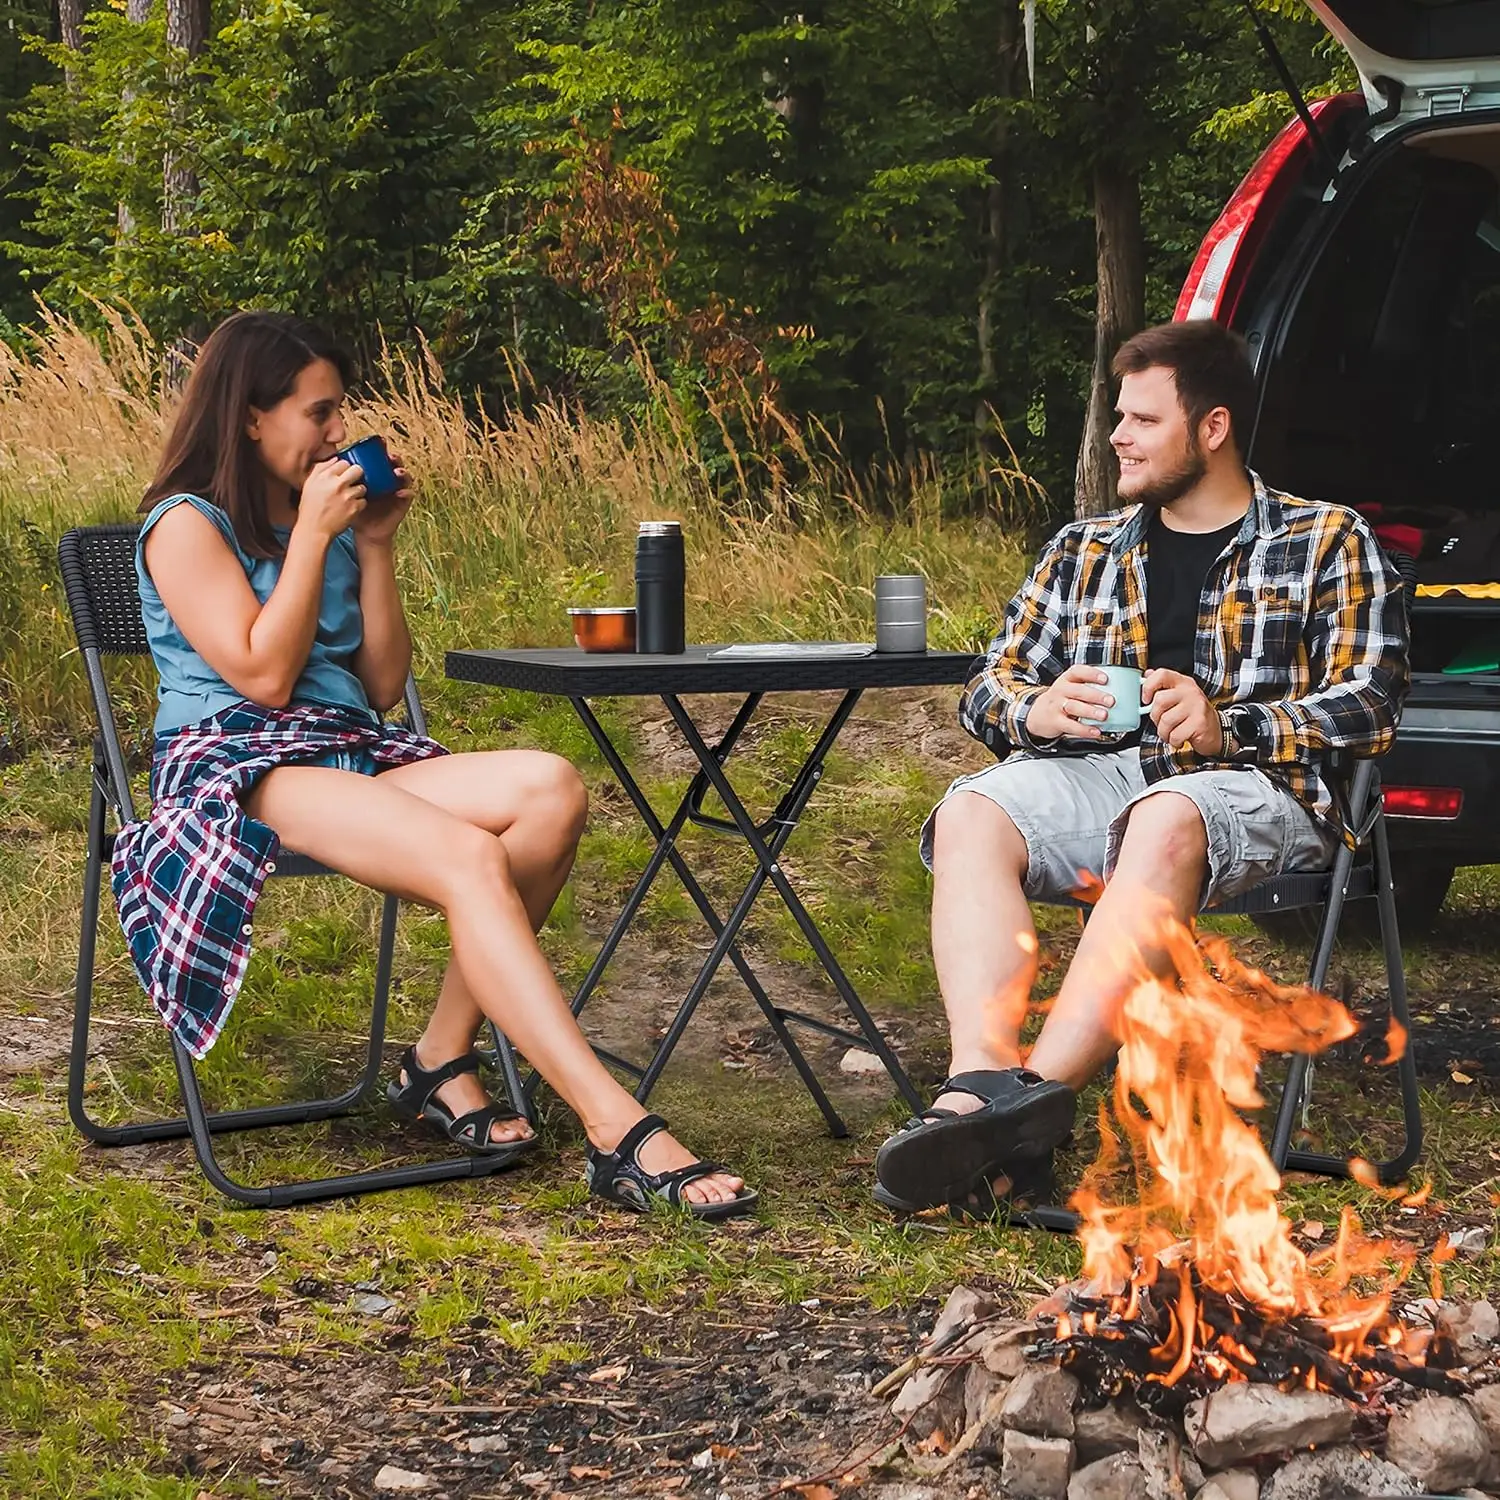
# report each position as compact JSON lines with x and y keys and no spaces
{"x":332,"y":498}
{"x":377,"y":523}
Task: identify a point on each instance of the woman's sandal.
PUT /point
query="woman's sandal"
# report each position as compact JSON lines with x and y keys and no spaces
{"x":417,"y":1100}
{"x":618,"y":1177}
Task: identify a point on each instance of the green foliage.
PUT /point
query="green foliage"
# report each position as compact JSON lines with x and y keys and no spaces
{"x":859,"y":214}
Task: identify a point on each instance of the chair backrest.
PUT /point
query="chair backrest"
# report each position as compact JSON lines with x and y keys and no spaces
{"x":98,"y":574}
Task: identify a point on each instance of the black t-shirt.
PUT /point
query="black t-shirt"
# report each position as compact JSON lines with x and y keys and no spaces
{"x":1177,"y":563}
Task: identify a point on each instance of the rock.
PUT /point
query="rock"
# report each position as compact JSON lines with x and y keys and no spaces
{"x":980,"y":1385}
{"x":1244,"y":1421}
{"x":1232,"y":1484}
{"x":988,"y":1434}
{"x":372,"y":1304}
{"x":1035,"y":1468}
{"x":1040,"y":1401}
{"x":488,"y":1442}
{"x":402,"y":1480}
{"x":964,"y":1305}
{"x":1005,"y":1352}
{"x":1471,"y":1240}
{"x":1170,"y":1473}
{"x":1110,"y":1429}
{"x":1485,"y":1404}
{"x":1335,"y":1474}
{"x":934,"y":1400}
{"x":857,"y":1060}
{"x":1440,"y":1441}
{"x":1116,"y":1477}
{"x":1476,"y":1328}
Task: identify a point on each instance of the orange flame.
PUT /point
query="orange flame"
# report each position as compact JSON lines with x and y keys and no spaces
{"x":1206,"y":1199}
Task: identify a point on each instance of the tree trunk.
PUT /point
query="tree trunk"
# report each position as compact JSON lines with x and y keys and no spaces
{"x":138,"y":11}
{"x":70,"y":24}
{"x":1121,"y":311}
{"x":1010,"y":62}
{"x":187,"y":31}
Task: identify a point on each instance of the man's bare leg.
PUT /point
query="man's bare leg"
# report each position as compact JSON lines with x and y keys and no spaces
{"x":1161,"y":869}
{"x":983,"y":939}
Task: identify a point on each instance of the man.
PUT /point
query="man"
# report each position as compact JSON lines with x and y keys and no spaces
{"x":1271,"y":630}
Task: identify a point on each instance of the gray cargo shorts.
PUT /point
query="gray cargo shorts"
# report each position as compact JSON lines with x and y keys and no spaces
{"x":1072,"y":811}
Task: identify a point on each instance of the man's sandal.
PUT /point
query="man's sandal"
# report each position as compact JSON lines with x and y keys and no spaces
{"x":1032,"y":1182}
{"x":939,"y":1155}
{"x":417,"y":1099}
{"x":618,"y":1177}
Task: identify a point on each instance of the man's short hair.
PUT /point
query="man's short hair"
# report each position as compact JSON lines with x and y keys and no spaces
{"x":1210,"y":366}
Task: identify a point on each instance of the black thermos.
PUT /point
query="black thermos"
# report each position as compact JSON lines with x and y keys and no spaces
{"x":660,"y":587}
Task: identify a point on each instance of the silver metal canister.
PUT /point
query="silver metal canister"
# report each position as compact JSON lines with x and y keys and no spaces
{"x":901,"y":612}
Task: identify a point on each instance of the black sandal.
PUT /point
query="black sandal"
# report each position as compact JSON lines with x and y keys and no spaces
{"x":940,"y":1155}
{"x":618,"y":1177}
{"x":1032,"y":1183}
{"x":417,"y":1100}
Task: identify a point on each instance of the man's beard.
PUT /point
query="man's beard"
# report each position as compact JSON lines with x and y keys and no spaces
{"x":1158,"y":493}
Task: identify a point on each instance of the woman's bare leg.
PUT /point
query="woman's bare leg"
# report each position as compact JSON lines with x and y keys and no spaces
{"x":535,"y":803}
{"x":384,"y":836}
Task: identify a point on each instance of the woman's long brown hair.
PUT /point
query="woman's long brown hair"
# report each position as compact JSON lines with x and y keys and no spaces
{"x":250,"y":359}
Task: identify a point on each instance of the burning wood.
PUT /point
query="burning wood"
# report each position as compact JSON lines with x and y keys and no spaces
{"x":1194,"y":1278}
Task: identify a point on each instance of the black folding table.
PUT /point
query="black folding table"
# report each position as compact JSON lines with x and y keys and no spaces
{"x":578,"y":676}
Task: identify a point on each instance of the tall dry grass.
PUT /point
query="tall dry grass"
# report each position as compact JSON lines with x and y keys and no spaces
{"x":516,"y":520}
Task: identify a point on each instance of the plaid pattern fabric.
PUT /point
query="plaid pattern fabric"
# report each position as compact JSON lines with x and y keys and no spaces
{"x":186,"y":878}
{"x":1301,"y":619}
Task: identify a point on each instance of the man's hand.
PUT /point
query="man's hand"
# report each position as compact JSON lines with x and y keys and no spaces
{"x":1071,"y":707}
{"x":1181,"y":712}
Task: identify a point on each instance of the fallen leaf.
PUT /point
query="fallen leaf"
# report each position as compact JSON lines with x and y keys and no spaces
{"x":1458,"y":1077}
{"x":935,"y":1442}
{"x":608,"y":1372}
{"x":815,"y":1492}
{"x":1313,"y":1229}
{"x":723,"y":1452}
{"x":583,"y":1471}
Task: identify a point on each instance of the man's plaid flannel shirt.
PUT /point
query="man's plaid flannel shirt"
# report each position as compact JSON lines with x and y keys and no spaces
{"x":1302,"y":618}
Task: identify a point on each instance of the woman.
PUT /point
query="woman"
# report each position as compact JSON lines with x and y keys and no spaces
{"x":269,"y":593}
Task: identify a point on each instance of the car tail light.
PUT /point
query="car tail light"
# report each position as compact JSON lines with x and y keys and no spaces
{"x":1423,"y":801}
{"x":1222,"y":265}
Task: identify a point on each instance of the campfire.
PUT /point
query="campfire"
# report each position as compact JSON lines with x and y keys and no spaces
{"x":1198,"y":1281}
{"x":1198,"y":1319}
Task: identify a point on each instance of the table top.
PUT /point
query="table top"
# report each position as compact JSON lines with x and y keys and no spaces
{"x":567,"y":672}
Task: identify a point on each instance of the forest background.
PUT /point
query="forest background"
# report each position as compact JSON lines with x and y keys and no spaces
{"x":867,"y":223}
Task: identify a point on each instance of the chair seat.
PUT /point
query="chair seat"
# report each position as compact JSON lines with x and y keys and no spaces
{"x":1297,"y":888}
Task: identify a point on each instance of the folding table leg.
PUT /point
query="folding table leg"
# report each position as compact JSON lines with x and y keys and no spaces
{"x":666,"y":852}
{"x":769,"y":868}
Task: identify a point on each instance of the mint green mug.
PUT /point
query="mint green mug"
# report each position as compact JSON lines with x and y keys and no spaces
{"x":1124,"y":685}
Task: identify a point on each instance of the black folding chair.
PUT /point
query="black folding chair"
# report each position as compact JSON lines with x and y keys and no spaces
{"x":98,"y":572}
{"x":1359,"y":873}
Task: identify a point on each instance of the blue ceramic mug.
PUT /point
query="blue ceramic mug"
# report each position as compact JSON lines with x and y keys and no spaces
{"x":381,"y":481}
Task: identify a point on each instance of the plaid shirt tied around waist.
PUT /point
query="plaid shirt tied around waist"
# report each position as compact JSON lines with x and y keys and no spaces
{"x":1301,"y":619}
{"x":186,"y":877}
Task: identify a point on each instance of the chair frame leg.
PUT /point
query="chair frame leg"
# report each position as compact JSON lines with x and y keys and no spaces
{"x":200,"y":1124}
{"x":1299,"y":1073}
